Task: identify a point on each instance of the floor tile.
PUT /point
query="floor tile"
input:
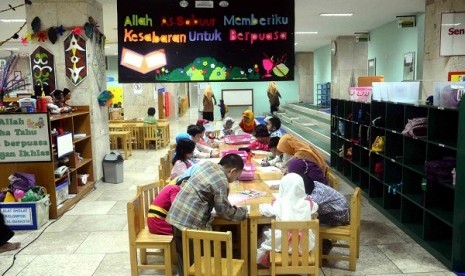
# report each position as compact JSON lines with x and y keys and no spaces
{"x":371,"y":261}
{"x":375,"y":233}
{"x":117,"y":195}
{"x":19,"y":264}
{"x":61,"y":224}
{"x":98,"y":223}
{"x":57,"y":243}
{"x":91,"y":208}
{"x":105,"y":242}
{"x":114,"y":264}
{"x":92,"y":196}
{"x":120,"y":208}
{"x":63,"y":265}
{"x":411,"y":258}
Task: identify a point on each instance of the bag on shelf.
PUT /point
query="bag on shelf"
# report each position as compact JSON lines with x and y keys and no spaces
{"x":36,"y":193}
{"x":440,"y":171}
{"x":21,"y":181}
{"x":379,"y":169}
{"x":416,"y":127}
{"x":378,"y":144}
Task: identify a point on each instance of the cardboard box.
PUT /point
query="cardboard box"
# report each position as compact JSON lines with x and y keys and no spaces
{"x":25,"y":215}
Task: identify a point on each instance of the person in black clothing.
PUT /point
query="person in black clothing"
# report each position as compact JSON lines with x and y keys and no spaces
{"x":5,"y":235}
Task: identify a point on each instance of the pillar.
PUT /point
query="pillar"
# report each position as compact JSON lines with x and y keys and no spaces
{"x":435,"y":67}
{"x":70,"y":13}
{"x":305,"y":76}
{"x":349,"y":62}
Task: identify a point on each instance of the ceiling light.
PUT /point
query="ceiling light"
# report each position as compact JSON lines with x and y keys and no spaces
{"x":13,"y":20}
{"x":336,"y":14}
{"x":451,"y":24}
{"x":306,"y":32}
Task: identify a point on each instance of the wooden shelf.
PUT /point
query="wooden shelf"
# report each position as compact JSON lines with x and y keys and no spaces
{"x":432,"y":215}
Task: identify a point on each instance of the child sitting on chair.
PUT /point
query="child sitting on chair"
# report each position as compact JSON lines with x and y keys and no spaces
{"x":182,"y":155}
{"x":291,"y":204}
{"x":263,"y":138}
{"x":201,"y":151}
{"x":150,"y":118}
{"x":160,"y":207}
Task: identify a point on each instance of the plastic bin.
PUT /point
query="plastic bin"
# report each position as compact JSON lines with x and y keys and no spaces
{"x":241,"y":153}
{"x":238,"y":139}
{"x":62,"y":192}
{"x":26,"y":215}
{"x":113,"y":168}
{"x":248,"y":172}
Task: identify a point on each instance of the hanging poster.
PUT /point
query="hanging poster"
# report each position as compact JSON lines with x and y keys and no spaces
{"x":205,"y":41}
{"x":452,"y":34}
{"x":75,"y":58}
{"x":24,"y":137}
{"x":43,"y":68}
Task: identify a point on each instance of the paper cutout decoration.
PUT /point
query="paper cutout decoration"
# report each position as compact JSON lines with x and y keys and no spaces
{"x":43,"y":68}
{"x":141,"y":63}
{"x":75,"y":58}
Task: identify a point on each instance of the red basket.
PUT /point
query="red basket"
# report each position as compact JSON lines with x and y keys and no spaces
{"x":248,"y":172}
{"x":241,"y":153}
{"x":238,"y":139}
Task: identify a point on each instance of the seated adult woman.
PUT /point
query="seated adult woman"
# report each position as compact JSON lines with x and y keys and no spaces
{"x":291,"y":145}
{"x":156,"y":218}
{"x":182,"y":155}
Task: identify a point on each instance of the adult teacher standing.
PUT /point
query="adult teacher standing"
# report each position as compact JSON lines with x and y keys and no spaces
{"x":209,"y":101}
{"x":273,"y":96}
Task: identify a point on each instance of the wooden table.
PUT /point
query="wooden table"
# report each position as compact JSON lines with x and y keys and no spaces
{"x":138,"y":125}
{"x":125,"y":139}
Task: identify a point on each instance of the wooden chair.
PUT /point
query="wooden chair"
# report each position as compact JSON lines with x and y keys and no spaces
{"x":170,"y":157}
{"x":150,"y":134}
{"x":349,"y":233}
{"x":292,"y":262}
{"x":207,"y":260}
{"x":165,"y":163}
{"x":161,"y":173}
{"x":148,"y":192}
{"x":141,"y":239}
{"x":332,"y":179}
{"x":133,"y":139}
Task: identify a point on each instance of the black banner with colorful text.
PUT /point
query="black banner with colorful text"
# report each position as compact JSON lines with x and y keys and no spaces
{"x":205,"y":41}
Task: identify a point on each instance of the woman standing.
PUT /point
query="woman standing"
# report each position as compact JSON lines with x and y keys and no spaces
{"x":273,"y":96}
{"x":209,"y":101}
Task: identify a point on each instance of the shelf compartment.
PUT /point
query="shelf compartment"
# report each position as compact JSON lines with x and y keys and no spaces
{"x":365,"y":160}
{"x":436,"y":152}
{"x":347,"y":168}
{"x":364,"y":181}
{"x":412,"y":217}
{"x":392,"y":173}
{"x":377,"y":166}
{"x":439,"y":202}
{"x":378,"y":109}
{"x":347,"y":109}
{"x":392,"y":203}
{"x":365,"y":140}
{"x":438,"y":236}
{"x":414,"y":154}
{"x":376,"y":191}
{"x":355,"y":177}
{"x":442,"y":126}
{"x":394,"y":146}
{"x":396,"y":117}
{"x":411,"y":187}
{"x":337,"y":107}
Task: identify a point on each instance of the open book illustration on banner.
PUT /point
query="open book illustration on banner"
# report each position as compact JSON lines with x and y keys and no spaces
{"x":143,"y":63}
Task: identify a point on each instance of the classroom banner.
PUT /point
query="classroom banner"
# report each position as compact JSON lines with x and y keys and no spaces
{"x":205,"y":41}
{"x":24,"y":137}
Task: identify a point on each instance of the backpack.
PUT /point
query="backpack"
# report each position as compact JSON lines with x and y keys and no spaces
{"x":416,"y":127}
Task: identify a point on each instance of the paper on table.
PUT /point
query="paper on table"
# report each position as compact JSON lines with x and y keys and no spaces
{"x":260,"y":152}
{"x":273,"y":184}
{"x":213,"y":160}
{"x":268,"y":169}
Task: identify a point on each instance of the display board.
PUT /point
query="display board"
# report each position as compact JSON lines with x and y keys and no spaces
{"x":24,"y":137}
{"x":205,"y":41}
{"x":235,"y":97}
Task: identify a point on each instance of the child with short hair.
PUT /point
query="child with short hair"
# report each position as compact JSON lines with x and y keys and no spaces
{"x":201,"y":151}
{"x":262,"y":138}
{"x":150,"y":118}
{"x":274,"y":124}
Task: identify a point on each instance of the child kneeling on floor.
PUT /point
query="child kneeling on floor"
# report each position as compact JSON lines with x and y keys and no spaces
{"x":291,"y":204}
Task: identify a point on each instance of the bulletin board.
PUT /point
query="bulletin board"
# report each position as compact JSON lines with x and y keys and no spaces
{"x":237,"y":97}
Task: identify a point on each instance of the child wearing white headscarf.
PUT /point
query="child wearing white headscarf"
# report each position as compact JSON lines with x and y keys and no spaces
{"x":291,"y":204}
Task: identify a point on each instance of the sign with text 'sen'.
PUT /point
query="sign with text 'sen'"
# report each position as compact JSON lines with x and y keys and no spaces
{"x":452,"y":34}
{"x":205,"y":41}
{"x":24,"y":137}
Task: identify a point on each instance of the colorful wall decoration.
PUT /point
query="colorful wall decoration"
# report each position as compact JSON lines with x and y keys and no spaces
{"x":43,"y":68}
{"x":205,"y":41}
{"x":75,"y":58}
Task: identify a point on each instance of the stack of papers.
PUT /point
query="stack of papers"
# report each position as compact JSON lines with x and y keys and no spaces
{"x":268,"y":169}
{"x":245,"y":195}
{"x":273,"y":184}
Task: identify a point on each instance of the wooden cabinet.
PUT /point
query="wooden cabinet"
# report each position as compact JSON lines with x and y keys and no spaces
{"x":77,"y":122}
{"x":434,"y":216}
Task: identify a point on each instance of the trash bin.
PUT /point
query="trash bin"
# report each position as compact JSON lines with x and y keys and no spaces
{"x":113,"y":168}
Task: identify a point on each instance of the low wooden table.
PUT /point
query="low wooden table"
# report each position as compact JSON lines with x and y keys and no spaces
{"x":125,"y":139}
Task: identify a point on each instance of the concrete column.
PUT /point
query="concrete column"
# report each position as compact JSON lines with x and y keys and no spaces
{"x":304,"y":73}
{"x":435,"y":67}
{"x":350,"y":61}
{"x":71,"y":13}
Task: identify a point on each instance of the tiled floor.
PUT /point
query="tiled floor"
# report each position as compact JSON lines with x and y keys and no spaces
{"x":92,"y":238}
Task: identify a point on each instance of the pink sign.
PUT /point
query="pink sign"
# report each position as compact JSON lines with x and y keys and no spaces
{"x":360,"y":94}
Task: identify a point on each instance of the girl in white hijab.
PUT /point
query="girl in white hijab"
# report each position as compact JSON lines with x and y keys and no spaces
{"x":291,"y":204}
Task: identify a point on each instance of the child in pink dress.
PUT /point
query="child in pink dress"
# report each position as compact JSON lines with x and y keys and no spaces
{"x":160,"y":207}
{"x":182,"y":155}
{"x":262,"y":138}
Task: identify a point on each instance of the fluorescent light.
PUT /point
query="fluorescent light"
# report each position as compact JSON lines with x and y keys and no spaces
{"x":306,"y":32}
{"x":13,"y":20}
{"x":10,"y":49}
{"x":451,"y":24}
{"x":336,"y":14}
